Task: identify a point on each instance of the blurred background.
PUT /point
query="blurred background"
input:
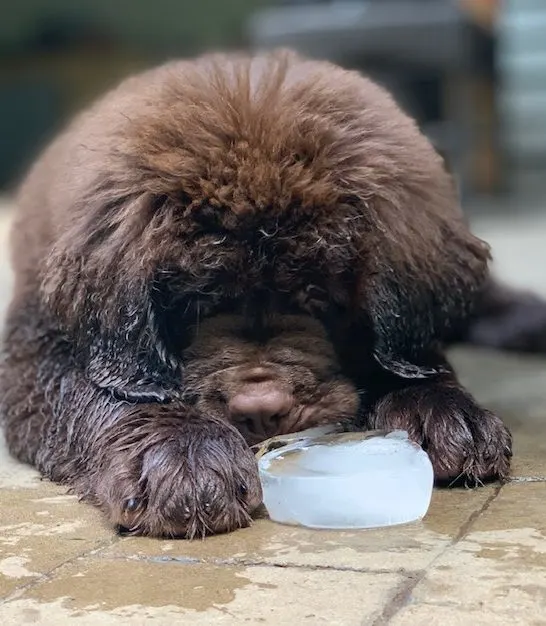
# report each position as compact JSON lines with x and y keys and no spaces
{"x":473,"y":73}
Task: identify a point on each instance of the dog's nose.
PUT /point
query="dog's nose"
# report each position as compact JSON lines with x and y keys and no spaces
{"x":260,"y":404}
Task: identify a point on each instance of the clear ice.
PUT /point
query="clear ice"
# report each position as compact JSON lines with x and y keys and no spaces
{"x":347,"y":480}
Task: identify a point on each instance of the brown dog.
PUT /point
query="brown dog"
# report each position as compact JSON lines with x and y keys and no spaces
{"x":222,"y":250}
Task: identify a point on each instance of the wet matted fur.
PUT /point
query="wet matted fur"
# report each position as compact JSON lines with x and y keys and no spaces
{"x":227,"y":248}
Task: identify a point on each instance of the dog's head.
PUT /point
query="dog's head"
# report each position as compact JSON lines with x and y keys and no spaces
{"x":241,"y":219}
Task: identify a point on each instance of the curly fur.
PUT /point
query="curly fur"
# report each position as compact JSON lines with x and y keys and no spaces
{"x":225,"y":229}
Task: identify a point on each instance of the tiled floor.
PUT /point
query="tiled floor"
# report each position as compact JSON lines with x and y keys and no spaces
{"x":479,"y":557}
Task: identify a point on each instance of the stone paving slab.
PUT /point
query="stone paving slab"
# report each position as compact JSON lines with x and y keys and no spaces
{"x":106,"y":591}
{"x":496,"y":574}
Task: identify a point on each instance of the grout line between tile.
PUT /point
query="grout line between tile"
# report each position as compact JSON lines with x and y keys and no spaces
{"x":403,"y":593}
{"x":465,"y":528}
{"x":50,"y":574}
{"x":526,"y":479}
{"x":399,"y":600}
{"x":240,"y":562}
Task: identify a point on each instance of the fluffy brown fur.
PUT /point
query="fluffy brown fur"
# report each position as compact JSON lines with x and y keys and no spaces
{"x":225,"y":249}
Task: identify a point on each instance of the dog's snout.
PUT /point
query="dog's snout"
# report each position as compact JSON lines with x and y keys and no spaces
{"x":257,"y":375}
{"x":260,"y":403}
{"x":263,"y":405}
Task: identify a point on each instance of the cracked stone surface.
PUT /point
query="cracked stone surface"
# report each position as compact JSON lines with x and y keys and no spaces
{"x":478,"y":557}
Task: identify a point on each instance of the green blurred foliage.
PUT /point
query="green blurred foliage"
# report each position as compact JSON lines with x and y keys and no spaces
{"x":169,"y":26}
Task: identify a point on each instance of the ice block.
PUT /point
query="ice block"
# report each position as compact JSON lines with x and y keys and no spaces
{"x":347,"y":480}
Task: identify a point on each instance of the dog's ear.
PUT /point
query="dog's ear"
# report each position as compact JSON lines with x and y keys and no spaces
{"x":421,"y":281}
{"x":97,"y":285}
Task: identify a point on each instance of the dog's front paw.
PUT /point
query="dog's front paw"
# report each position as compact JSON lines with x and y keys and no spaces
{"x":465,"y":442}
{"x":177,"y":475}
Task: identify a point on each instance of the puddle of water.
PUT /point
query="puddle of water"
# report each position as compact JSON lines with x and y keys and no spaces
{"x":157,"y":584}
